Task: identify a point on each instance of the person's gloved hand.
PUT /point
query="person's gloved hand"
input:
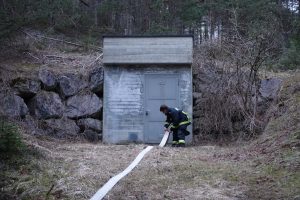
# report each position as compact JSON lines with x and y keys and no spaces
{"x":166,"y":129}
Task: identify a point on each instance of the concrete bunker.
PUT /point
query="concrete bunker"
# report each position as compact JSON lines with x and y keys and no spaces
{"x":140,"y":74}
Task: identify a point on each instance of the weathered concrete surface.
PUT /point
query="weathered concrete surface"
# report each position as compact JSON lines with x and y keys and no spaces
{"x":145,"y":50}
{"x":124,"y":99}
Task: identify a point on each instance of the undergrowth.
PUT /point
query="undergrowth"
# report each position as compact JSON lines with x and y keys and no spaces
{"x":10,"y":139}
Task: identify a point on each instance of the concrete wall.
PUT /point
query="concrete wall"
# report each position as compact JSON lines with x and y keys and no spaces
{"x":123,"y":109}
{"x":147,"y":50}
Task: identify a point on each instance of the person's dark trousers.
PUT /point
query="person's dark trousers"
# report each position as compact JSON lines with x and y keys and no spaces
{"x":179,"y":134}
{"x":182,"y":132}
{"x":175,"y":136}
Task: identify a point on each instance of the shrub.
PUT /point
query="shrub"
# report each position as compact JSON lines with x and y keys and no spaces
{"x":291,"y":57}
{"x":10,"y":140}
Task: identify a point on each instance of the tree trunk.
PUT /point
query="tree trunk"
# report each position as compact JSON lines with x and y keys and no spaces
{"x":200,"y":33}
{"x":205,"y":30}
{"x":96,"y":13}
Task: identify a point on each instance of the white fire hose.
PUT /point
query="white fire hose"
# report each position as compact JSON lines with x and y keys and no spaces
{"x":100,"y":194}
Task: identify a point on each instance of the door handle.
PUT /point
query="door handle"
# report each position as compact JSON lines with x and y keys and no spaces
{"x":147,"y":112}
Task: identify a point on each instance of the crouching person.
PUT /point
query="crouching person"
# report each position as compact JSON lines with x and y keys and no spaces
{"x":177,"y":121}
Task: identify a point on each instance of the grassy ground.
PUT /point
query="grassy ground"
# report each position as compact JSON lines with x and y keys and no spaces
{"x":77,"y":171}
{"x":56,"y":170}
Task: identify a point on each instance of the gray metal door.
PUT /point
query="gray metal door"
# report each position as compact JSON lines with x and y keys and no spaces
{"x":159,"y":89}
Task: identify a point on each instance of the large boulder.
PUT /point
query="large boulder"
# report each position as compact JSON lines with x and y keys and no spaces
{"x":91,"y":135}
{"x":48,"y":79}
{"x":62,"y":128}
{"x":46,"y":105}
{"x":32,"y":125}
{"x":70,"y":84}
{"x":90,"y":123}
{"x":269,"y":88}
{"x":26,"y":88}
{"x":96,"y":80}
{"x":83,"y":105}
{"x":12,"y":105}
{"x":206,"y":81}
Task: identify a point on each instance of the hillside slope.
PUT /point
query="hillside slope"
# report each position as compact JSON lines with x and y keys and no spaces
{"x":268,"y":168}
{"x":265,"y":168}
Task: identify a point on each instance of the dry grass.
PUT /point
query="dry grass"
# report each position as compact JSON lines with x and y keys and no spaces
{"x":28,"y":54}
{"x":68,"y":170}
{"x":77,"y":170}
{"x":80,"y":168}
{"x":190,"y":173}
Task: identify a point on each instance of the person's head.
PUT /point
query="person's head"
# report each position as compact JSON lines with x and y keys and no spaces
{"x":163,"y":109}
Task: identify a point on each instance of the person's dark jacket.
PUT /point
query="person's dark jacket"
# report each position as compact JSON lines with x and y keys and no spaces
{"x":174,"y":117}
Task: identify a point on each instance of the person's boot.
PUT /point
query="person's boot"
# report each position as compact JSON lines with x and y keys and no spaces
{"x":181,"y":143}
{"x":174,"y":143}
